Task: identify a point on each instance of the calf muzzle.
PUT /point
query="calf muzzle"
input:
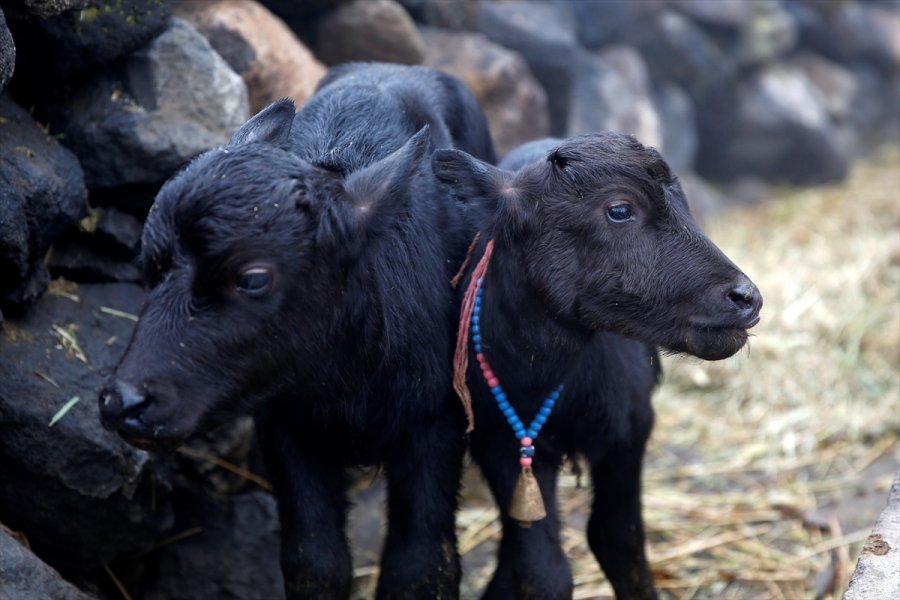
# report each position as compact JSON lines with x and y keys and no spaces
{"x":121,"y":405}
{"x":747,"y":302}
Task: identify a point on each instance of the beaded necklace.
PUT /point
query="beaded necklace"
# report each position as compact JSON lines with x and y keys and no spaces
{"x":526,"y":505}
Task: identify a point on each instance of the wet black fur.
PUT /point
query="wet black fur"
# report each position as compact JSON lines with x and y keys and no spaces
{"x":347,"y":358}
{"x":562,"y":287}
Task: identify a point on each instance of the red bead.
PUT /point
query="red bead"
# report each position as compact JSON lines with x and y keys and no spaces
{"x":493,"y":381}
{"x":480,"y":358}
{"x":525,"y":462}
{"x":486,"y":370}
{"x":525,"y":441}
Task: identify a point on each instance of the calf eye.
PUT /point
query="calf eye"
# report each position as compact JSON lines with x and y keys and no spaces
{"x":255,"y":282}
{"x":620,"y":213}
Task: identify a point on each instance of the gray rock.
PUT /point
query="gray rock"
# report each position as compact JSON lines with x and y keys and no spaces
{"x":369,"y":30}
{"x":25,"y":577}
{"x":80,"y":494}
{"x":259,"y":47}
{"x":7,"y":53}
{"x":298,"y":10}
{"x":457,"y":15}
{"x":813,"y":25}
{"x":76,"y":261}
{"x":172,"y":99}
{"x":612,"y":93}
{"x":676,"y":50}
{"x":874,"y":115}
{"x":785,"y":133}
{"x":754,"y":31}
{"x":850,"y":32}
{"x":601,"y":23}
{"x":135,"y":199}
{"x":545,"y":35}
{"x":867,"y":33}
{"x":82,"y":38}
{"x":41,"y":195}
{"x":721,"y":13}
{"x":877,"y":574}
{"x":118,"y":233}
{"x":679,"y":127}
{"x":235,"y":556}
{"x":836,"y":84}
{"x":47,"y":8}
{"x":770,"y":32}
{"x":233,"y":442}
{"x":512,"y":99}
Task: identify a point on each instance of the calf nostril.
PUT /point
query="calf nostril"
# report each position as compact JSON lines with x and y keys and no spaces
{"x":122,"y":400}
{"x":134,"y":401}
{"x":745,"y":296}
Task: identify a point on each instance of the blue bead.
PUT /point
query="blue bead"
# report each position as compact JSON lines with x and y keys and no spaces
{"x":508,"y":411}
{"x":476,"y":338}
{"x":548,"y":403}
{"x":554,"y":395}
{"x":532,"y":433}
{"x":478,"y":348}
{"x":526,"y":452}
{"x":496,"y":390}
{"x":475,"y":319}
{"x":540,"y":419}
{"x":503,"y":404}
{"x":520,"y":433}
{"x":545,"y":412}
{"x":501,"y":397}
{"x":476,"y":329}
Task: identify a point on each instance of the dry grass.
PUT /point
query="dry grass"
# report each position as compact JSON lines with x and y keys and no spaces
{"x":758,"y":452}
{"x":758,"y":466}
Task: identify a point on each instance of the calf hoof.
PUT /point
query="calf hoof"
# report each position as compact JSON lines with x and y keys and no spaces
{"x":322,"y":582}
{"x":304,"y":588}
{"x":540,"y":586}
{"x":442,"y":584}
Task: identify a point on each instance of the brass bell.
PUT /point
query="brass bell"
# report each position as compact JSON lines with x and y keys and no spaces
{"x":527,"y":504}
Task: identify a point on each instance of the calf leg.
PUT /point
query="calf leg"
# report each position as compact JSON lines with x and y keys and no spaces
{"x":530,"y":562}
{"x":615,"y":530}
{"x":312,"y":507}
{"x":420,"y":559}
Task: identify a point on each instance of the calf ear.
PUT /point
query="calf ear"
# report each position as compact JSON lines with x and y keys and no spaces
{"x":374,"y":197}
{"x":271,"y":125}
{"x":485,"y":190}
{"x":471,"y":181}
{"x":384,"y":184}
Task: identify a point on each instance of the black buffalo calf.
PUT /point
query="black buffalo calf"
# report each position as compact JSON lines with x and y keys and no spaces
{"x":301,"y":271}
{"x":590,"y":240}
